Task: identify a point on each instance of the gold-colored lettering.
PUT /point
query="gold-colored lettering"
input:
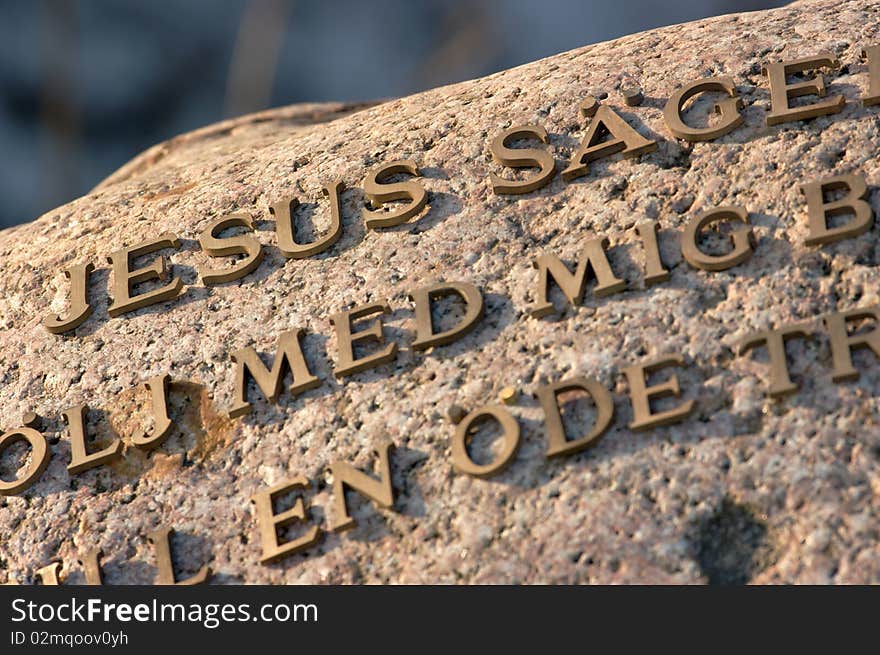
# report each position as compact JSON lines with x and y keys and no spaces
{"x":346,"y":363}
{"x":872,"y":53}
{"x":284,"y":224}
{"x":49,"y":574}
{"x":92,"y":567}
{"x":465,"y":431}
{"x":573,"y":284}
{"x":158,"y":388}
{"x":269,"y":522}
{"x":378,"y":193}
{"x":80,"y":458}
{"x":743,"y":239}
{"x":39,"y":459}
{"x":728,"y":110}
{"x":641,"y":394}
{"x":781,"y":92}
{"x":165,"y":575}
{"x":557,"y":441}
{"x":379,"y":491}
{"x":843,"y":343}
{"x":819,"y":211}
{"x":124,"y":277}
{"x":623,"y":139}
{"x":241,"y":244}
{"x":655,"y":272}
{"x":774,"y":340}
{"x":80,"y":309}
{"x":521,"y":158}
{"x":425,"y":336}
{"x":248,"y":363}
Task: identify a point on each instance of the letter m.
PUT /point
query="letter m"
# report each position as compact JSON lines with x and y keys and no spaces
{"x":249,"y":365}
{"x":572,"y":284}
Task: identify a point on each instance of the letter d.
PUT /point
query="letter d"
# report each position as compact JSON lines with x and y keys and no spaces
{"x":473,"y":304}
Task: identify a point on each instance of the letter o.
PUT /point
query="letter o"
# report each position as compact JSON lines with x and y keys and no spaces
{"x":39,"y":459}
{"x":462,"y":461}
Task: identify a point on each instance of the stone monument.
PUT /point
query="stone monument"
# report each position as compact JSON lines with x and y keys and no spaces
{"x":606,"y":317}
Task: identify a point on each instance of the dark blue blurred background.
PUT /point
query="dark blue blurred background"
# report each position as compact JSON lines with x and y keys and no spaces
{"x":85,"y":86}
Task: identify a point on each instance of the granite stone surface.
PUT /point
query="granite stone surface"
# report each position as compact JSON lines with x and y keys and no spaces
{"x":747,"y":489}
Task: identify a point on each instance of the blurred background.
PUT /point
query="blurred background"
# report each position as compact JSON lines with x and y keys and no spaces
{"x":85,"y":86}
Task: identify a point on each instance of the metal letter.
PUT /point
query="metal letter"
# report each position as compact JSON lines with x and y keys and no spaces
{"x":80,"y":459}
{"x":461,"y":459}
{"x":80,"y":309}
{"x":557,"y":442}
{"x":774,"y":340}
{"x":820,"y":211}
{"x":160,"y":538}
{"x":378,"y":193}
{"x":425,"y":336}
{"x":289,"y":352}
{"x":269,"y":522}
{"x":728,"y":109}
{"x":521,"y":158}
{"x":641,"y":394}
{"x":573,"y":284}
{"x":843,"y":343}
{"x":158,"y":388}
{"x":743,"y":240}
{"x":236,"y":245}
{"x":346,"y":364}
{"x":781,"y":91}
{"x":124,"y":277}
{"x":625,"y":140}
{"x":39,"y":459}
{"x":345,"y":475}
{"x":284,"y":225}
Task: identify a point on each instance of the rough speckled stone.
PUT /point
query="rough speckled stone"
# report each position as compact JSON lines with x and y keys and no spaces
{"x":745,"y":490}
